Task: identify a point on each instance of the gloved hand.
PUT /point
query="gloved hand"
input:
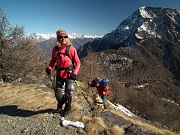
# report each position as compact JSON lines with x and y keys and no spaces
{"x":73,"y":76}
{"x":48,"y":71}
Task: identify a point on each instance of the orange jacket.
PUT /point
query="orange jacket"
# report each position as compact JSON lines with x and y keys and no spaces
{"x":101,"y":89}
{"x":63,"y":61}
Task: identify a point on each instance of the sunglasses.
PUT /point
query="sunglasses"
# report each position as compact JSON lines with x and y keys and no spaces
{"x":61,"y":37}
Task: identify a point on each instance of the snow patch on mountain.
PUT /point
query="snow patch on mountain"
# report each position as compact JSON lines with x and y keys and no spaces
{"x":121,"y":108}
{"x":75,"y":35}
{"x":146,"y":14}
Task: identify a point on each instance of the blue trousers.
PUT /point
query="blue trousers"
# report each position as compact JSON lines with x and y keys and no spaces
{"x":104,"y":98}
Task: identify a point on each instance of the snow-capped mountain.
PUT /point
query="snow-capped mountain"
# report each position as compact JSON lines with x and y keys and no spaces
{"x":143,"y":53}
{"x":152,"y":31}
{"x":47,"y":41}
{"x":144,"y":23}
{"x":75,"y":35}
{"x":40,"y":37}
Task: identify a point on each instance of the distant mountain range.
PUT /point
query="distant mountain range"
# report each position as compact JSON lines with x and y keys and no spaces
{"x":40,"y":37}
{"x":46,"y":41}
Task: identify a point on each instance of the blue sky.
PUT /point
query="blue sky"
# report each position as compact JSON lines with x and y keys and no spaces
{"x":90,"y":17}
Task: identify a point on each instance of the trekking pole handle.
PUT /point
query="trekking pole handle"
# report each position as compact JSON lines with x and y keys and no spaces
{"x":52,"y":81}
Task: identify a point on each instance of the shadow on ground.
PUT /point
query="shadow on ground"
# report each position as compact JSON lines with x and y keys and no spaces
{"x":12,"y":110}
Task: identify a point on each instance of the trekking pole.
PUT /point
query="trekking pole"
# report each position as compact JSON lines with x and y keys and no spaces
{"x":92,"y":108}
{"x":52,"y":81}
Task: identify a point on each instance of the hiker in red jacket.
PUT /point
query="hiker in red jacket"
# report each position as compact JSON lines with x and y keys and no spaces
{"x":103,"y":90}
{"x":67,"y":67}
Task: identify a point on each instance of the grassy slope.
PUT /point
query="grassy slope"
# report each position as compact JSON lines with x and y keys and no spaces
{"x":28,"y":98}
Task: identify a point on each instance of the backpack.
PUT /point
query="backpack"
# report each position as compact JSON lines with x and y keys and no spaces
{"x":71,"y":67}
{"x":103,"y":82}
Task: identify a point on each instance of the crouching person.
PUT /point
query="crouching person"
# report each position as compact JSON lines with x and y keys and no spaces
{"x":102,"y":89}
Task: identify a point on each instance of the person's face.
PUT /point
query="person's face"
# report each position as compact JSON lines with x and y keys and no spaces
{"x":62,"y":39}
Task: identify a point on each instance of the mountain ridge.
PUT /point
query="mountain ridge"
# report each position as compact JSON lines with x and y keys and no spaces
{"x":156,"y":29}
{"x":146,"y":21}
{"x":142,"y":52}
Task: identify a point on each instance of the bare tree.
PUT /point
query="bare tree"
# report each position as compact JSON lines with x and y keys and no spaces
{"x":90,"y":69}
{"x":19,"y":56}
{"x":8,"y":36}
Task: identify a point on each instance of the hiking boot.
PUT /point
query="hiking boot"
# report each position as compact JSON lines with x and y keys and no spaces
{"x":65,"y":113}
{"x":58,"y":111}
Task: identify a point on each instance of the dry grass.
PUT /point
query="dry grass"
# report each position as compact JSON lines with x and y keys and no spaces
{"x":116,"y":130}
{"x":142,"y":123}
{"x":83,"y":119}
{"x":76,"y":107}
{"x":98,"y":101}
{"x":95,"y":126}
{"x":26,"y":97}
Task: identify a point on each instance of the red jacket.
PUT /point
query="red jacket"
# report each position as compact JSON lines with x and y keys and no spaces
{"x":63,"y":61}
{"x":101,"y":89}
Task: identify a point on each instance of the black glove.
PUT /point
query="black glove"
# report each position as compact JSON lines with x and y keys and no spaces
{"x":73,"y":76}
{"x":48,"y":71}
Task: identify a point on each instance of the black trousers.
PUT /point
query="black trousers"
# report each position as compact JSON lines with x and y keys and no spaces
{"x":63,"y":92}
